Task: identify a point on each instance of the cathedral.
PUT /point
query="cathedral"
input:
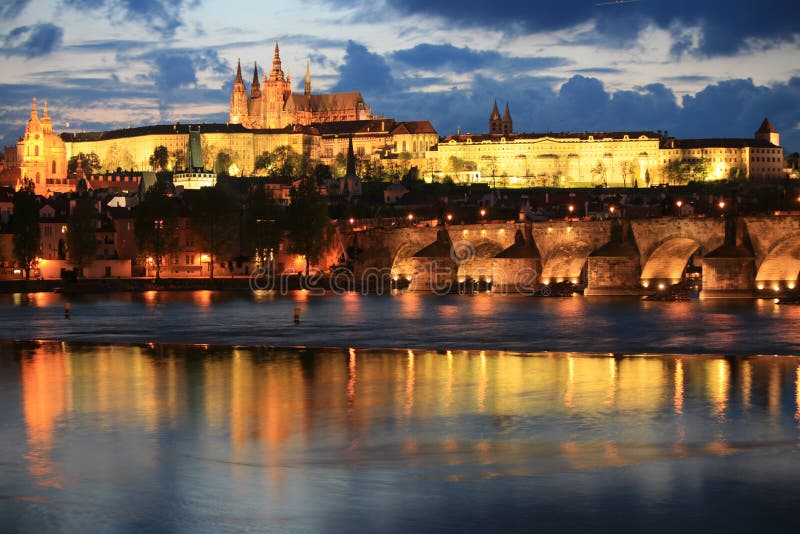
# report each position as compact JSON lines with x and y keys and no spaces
{"x":271,"y":103}
{"x":42,"y":155}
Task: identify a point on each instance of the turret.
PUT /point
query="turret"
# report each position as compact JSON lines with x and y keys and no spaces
{"x":255,"y":87}
{"x":767,"y":133}
{"x":277,"y":71}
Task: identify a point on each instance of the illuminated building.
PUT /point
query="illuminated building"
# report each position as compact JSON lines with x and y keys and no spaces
{"x":41,"y":155}
{"x":276,"y":106}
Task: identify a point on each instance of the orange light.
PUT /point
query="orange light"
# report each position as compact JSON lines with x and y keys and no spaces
{"x":483,"y":212}
{"x":204,"y":257}
{"x":410,"y":216}
{"x":722,"y":204}
{"x":449,"y":216}
{"x":571,"y":208}
{"x":611,"y":209}
{"x":679,"y":203}
{"x":352,"y":220}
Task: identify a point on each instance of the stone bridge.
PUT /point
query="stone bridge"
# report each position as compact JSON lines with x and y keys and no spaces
{"x":739,"y":257}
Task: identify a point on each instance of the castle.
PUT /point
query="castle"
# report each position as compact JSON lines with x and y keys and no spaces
{"x":271,"y":104}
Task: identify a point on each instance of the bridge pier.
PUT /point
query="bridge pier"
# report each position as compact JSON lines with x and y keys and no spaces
{"x":728,"y":277}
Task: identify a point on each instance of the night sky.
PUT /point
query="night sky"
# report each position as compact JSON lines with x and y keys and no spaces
{"x":698,"y":68}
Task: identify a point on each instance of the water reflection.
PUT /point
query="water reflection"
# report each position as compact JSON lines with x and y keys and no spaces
{"x":278,"y":428}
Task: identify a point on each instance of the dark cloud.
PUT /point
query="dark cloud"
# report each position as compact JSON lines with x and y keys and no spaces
{"x":32,"y":41}
{"x":725,"y":25}
{"x":449,"y":57}
{"x":10,"y":9}
{"x":363,"y":70}
{"x":162,"y":16}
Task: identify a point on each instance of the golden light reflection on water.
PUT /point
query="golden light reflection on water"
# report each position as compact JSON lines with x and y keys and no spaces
{"x":268,"y":405}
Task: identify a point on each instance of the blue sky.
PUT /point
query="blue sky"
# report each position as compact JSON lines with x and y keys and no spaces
{"x":699,"y":68}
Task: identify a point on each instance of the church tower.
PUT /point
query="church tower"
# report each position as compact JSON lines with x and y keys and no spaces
{"x":238,"y":99}
{"x":495,"y":122}
{"x":508,"y":124}
{"x":276,"y":90}
{"x":767,"y":133}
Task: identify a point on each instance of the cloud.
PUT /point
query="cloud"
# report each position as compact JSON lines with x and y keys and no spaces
{"x":163,"y":16}
{"x":10,"y":9}
{"x":32,"y":41}
{"x":363,"y":71}
{"x":448,"y":57}
{"x":726,"y":27}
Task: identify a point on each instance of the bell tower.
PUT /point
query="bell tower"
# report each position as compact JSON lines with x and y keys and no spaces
{"x":238,"y":113}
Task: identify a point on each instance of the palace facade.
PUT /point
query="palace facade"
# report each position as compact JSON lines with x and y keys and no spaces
{"x":572,"y":159}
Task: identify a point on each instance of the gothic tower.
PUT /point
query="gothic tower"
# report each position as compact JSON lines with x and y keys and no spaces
{"x":277,"y":90}
{"x":254,"y":102}
{"x":495,"y":122}
{"x":238,"y":98}
{"x":508,"y":124}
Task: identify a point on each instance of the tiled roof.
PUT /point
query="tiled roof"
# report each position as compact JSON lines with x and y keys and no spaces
{"x":584,"y":136}
{"x":719,"y":143}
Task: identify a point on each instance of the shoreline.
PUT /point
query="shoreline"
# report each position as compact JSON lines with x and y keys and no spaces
{"x":159,"y":346}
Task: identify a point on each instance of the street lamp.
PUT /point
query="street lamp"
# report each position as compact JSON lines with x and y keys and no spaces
{"x":449,"y":217}
{"x":483,"y":213}
{"x":352,"y":221}
{"x":722,"y":204}
{"x":612,"y":209}
{"x":410,"y":217}
{"x":571,"y":209}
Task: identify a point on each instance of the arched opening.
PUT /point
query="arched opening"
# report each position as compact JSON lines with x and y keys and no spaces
{"x":667,"y":264}
{"x":38,"y":178}
{"x":53,"y":172}
{"x":476,"y":264}
{"x":36,"y":150}
{"x":567,"y":264}
{"x":781,"y":267}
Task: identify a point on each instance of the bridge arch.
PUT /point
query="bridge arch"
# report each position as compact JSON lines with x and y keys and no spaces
{"x":781,"y":266}
{"x":567,"y":262}
{"x":475,"y":258}
{"x":668,"y":259}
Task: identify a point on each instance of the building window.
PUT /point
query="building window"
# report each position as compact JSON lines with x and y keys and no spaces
{"x":54,"y":167}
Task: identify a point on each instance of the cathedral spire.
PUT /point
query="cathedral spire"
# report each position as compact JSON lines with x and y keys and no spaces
{"x":508,"y":124}
{"x":34,"y":112}
{"x":351,"y":159}
{"x":277,"y":71}
{"x":255,"y":87}
{"x":495,"y":122}
{"x":308,"y":79}
{"x":239,"y":72}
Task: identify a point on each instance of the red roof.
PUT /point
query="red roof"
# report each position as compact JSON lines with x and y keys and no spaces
{"x":766,"y":127}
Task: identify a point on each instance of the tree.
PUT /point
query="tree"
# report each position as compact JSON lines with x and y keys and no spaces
{"x":160,"y":158}
{"x":264,"y":161}
{"x":81,"y":234}
{"x":213,"y":213}
{"x":155,"y":224}
{"x":628,"y":169}
{"x":222,"y":162}
{"x":91,"y":163}
{"x":25,"y":224}
{"x":264,"y":222}
{"x":308,"y":221}
{"x":339,"y":165}
{"x":286,"y":161}
{"x":179,"y":159}
{"x":793,"y":160}
{"x":599,"y":174}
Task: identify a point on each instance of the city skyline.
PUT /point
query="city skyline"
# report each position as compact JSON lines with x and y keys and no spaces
{"x":708,"y":70}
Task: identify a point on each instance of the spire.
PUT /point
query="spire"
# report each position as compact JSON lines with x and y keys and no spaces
{"x":255,"y":87}
{"x":507,"y":114}
{"x":34,"y":112}
{"x":47,"y":124}
{"x":277,"y":71}
{"x":351,"y":159}
{"x":308,"y":79}
{"x":239,"y":72}
{"x":508,"y":125}
{"x":495,"y":116}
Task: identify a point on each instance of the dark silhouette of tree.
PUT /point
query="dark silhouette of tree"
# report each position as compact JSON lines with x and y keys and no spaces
{"x":264,"y":223}
{"x":308,"y":221}
{"x":155,"y":224}
{"x":222,"y":163}
{"x":90,"y":161}
{"x":82,"y":234}
{"x":264,"y":161}
{"x":25,"y":224}
{"x":214,"y":214}
{"x":160,"y":158}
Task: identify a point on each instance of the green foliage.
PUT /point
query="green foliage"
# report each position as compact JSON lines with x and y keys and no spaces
{"x":214,"y":217}
{"x":25,"y":224}
{"x":339,"y":166}
{"x":599,"y":174}
{"x":81,"y":234}
{"x":322,"y":173}
{"x":155,"y":225}
{"x":91,"y":163}
{"x":160,"y":158}
{"x":793,"y":160}
{"x":685,"y":171}
{"x":283,"y":162}
{"x":308,"y":221}
{"x":264,"y":222}
{"x":264,"y":161}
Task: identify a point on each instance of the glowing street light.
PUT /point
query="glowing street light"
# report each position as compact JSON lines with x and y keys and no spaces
{"x":410,"y":217}
{"x":679,"y":204}
{"x":612,"y":209}
{"x":722,"y":204}
{"x":449,"y":217}
{"x":483,"y":212}
{"x":352,"y":221}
